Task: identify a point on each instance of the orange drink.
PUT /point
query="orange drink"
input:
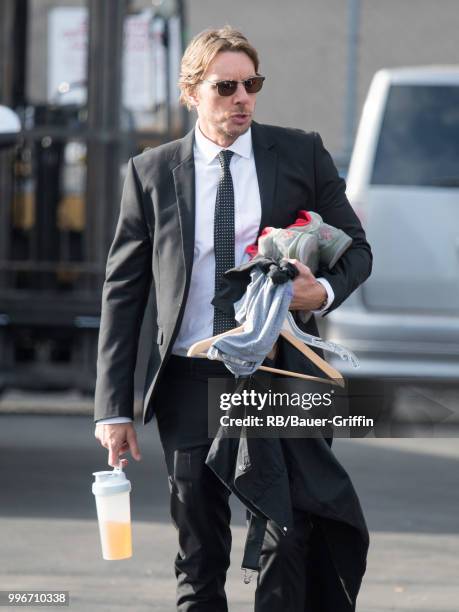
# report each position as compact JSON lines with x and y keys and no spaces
{"x":117,"y":542}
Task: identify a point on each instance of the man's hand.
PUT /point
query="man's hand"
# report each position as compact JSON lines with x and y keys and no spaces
{"x":118,"y":438}
{"x":308,"y":294}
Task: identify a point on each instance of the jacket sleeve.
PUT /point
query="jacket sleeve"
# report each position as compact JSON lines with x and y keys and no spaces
{"x":354,"y":267}
{"x":124,"y":298}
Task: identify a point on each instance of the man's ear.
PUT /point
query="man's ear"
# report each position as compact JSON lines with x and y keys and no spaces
{"x":192,"y":97}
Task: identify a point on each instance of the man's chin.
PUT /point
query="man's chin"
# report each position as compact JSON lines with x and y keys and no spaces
{"x":234,"y":129}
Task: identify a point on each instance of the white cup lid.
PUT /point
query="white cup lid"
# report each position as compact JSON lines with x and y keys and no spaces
{"x":110,"y":482}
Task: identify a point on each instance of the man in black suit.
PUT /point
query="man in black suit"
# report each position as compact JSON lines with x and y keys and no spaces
{"x":168,"y":238}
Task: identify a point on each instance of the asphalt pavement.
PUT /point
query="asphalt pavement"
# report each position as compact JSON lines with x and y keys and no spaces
{"x":408,"y":488}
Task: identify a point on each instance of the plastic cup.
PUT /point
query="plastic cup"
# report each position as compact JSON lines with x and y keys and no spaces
{"x":111,"y":490}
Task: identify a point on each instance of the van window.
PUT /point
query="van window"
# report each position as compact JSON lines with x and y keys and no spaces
{"x":419,"y":140}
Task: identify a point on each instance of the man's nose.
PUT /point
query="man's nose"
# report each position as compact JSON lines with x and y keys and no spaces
{"x":240,"y":95}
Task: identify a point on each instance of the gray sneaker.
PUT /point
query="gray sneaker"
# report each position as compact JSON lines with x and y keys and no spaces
{"x":290,"y":244}
{"x":312,"y":243}
{"x":333,"y":242}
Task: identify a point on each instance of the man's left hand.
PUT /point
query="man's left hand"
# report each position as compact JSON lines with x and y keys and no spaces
{"x":308,"y":293}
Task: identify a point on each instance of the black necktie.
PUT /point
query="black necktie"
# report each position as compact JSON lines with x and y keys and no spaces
{"x":224,"y":236}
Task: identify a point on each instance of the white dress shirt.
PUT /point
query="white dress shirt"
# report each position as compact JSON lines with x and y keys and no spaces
{"x":197,"y":322}
{"x":198,"y":317}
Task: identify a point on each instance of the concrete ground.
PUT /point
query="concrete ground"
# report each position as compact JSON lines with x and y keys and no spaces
{"x":409,"y":490}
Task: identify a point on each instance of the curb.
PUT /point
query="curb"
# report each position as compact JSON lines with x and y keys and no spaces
{"x":57,"y":403}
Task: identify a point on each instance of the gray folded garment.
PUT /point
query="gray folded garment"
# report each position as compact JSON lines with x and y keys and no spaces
{"x":262,"y":309}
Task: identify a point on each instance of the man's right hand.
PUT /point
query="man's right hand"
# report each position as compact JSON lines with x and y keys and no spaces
{"x":118,"y":438}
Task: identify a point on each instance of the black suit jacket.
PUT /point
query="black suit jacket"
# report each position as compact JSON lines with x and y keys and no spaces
{"x":154,"y":242}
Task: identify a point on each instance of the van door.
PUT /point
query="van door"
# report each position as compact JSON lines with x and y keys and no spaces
{"x":412,"y":203}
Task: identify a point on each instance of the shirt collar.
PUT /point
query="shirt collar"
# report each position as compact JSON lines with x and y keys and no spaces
{"x":209,"y":150}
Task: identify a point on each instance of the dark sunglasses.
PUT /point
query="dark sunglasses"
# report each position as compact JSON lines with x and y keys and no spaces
{"x":227,"y":88}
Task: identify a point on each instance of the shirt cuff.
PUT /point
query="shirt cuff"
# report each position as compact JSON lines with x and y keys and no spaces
{"x":330,"y":296}
{"x":114,"y":420}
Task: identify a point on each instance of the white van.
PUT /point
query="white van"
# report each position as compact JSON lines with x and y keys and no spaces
{"x":403,"y":182}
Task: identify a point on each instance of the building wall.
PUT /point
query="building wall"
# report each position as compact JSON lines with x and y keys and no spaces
{"x":303,"y":49}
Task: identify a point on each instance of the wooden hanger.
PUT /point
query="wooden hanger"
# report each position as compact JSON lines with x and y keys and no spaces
{"x":200,"y":348}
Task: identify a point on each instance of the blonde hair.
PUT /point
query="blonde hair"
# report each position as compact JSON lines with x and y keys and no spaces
{"x":202,"y":50}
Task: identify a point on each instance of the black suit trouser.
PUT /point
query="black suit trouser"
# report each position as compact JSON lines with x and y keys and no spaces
{"x":199,"y":505}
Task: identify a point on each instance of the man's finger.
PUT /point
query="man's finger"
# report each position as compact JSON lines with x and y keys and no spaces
{"x":113,"y":455}
{"x":114,"y":444}
{"x":133,"y":446}
{"x":300,"y":266}
{"x":114,"y":459}
{"x":118,"y":439}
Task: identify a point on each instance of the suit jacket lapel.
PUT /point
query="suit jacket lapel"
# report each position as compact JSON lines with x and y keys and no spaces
{"x":184,"y":183}
{"x":266,"y":165}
